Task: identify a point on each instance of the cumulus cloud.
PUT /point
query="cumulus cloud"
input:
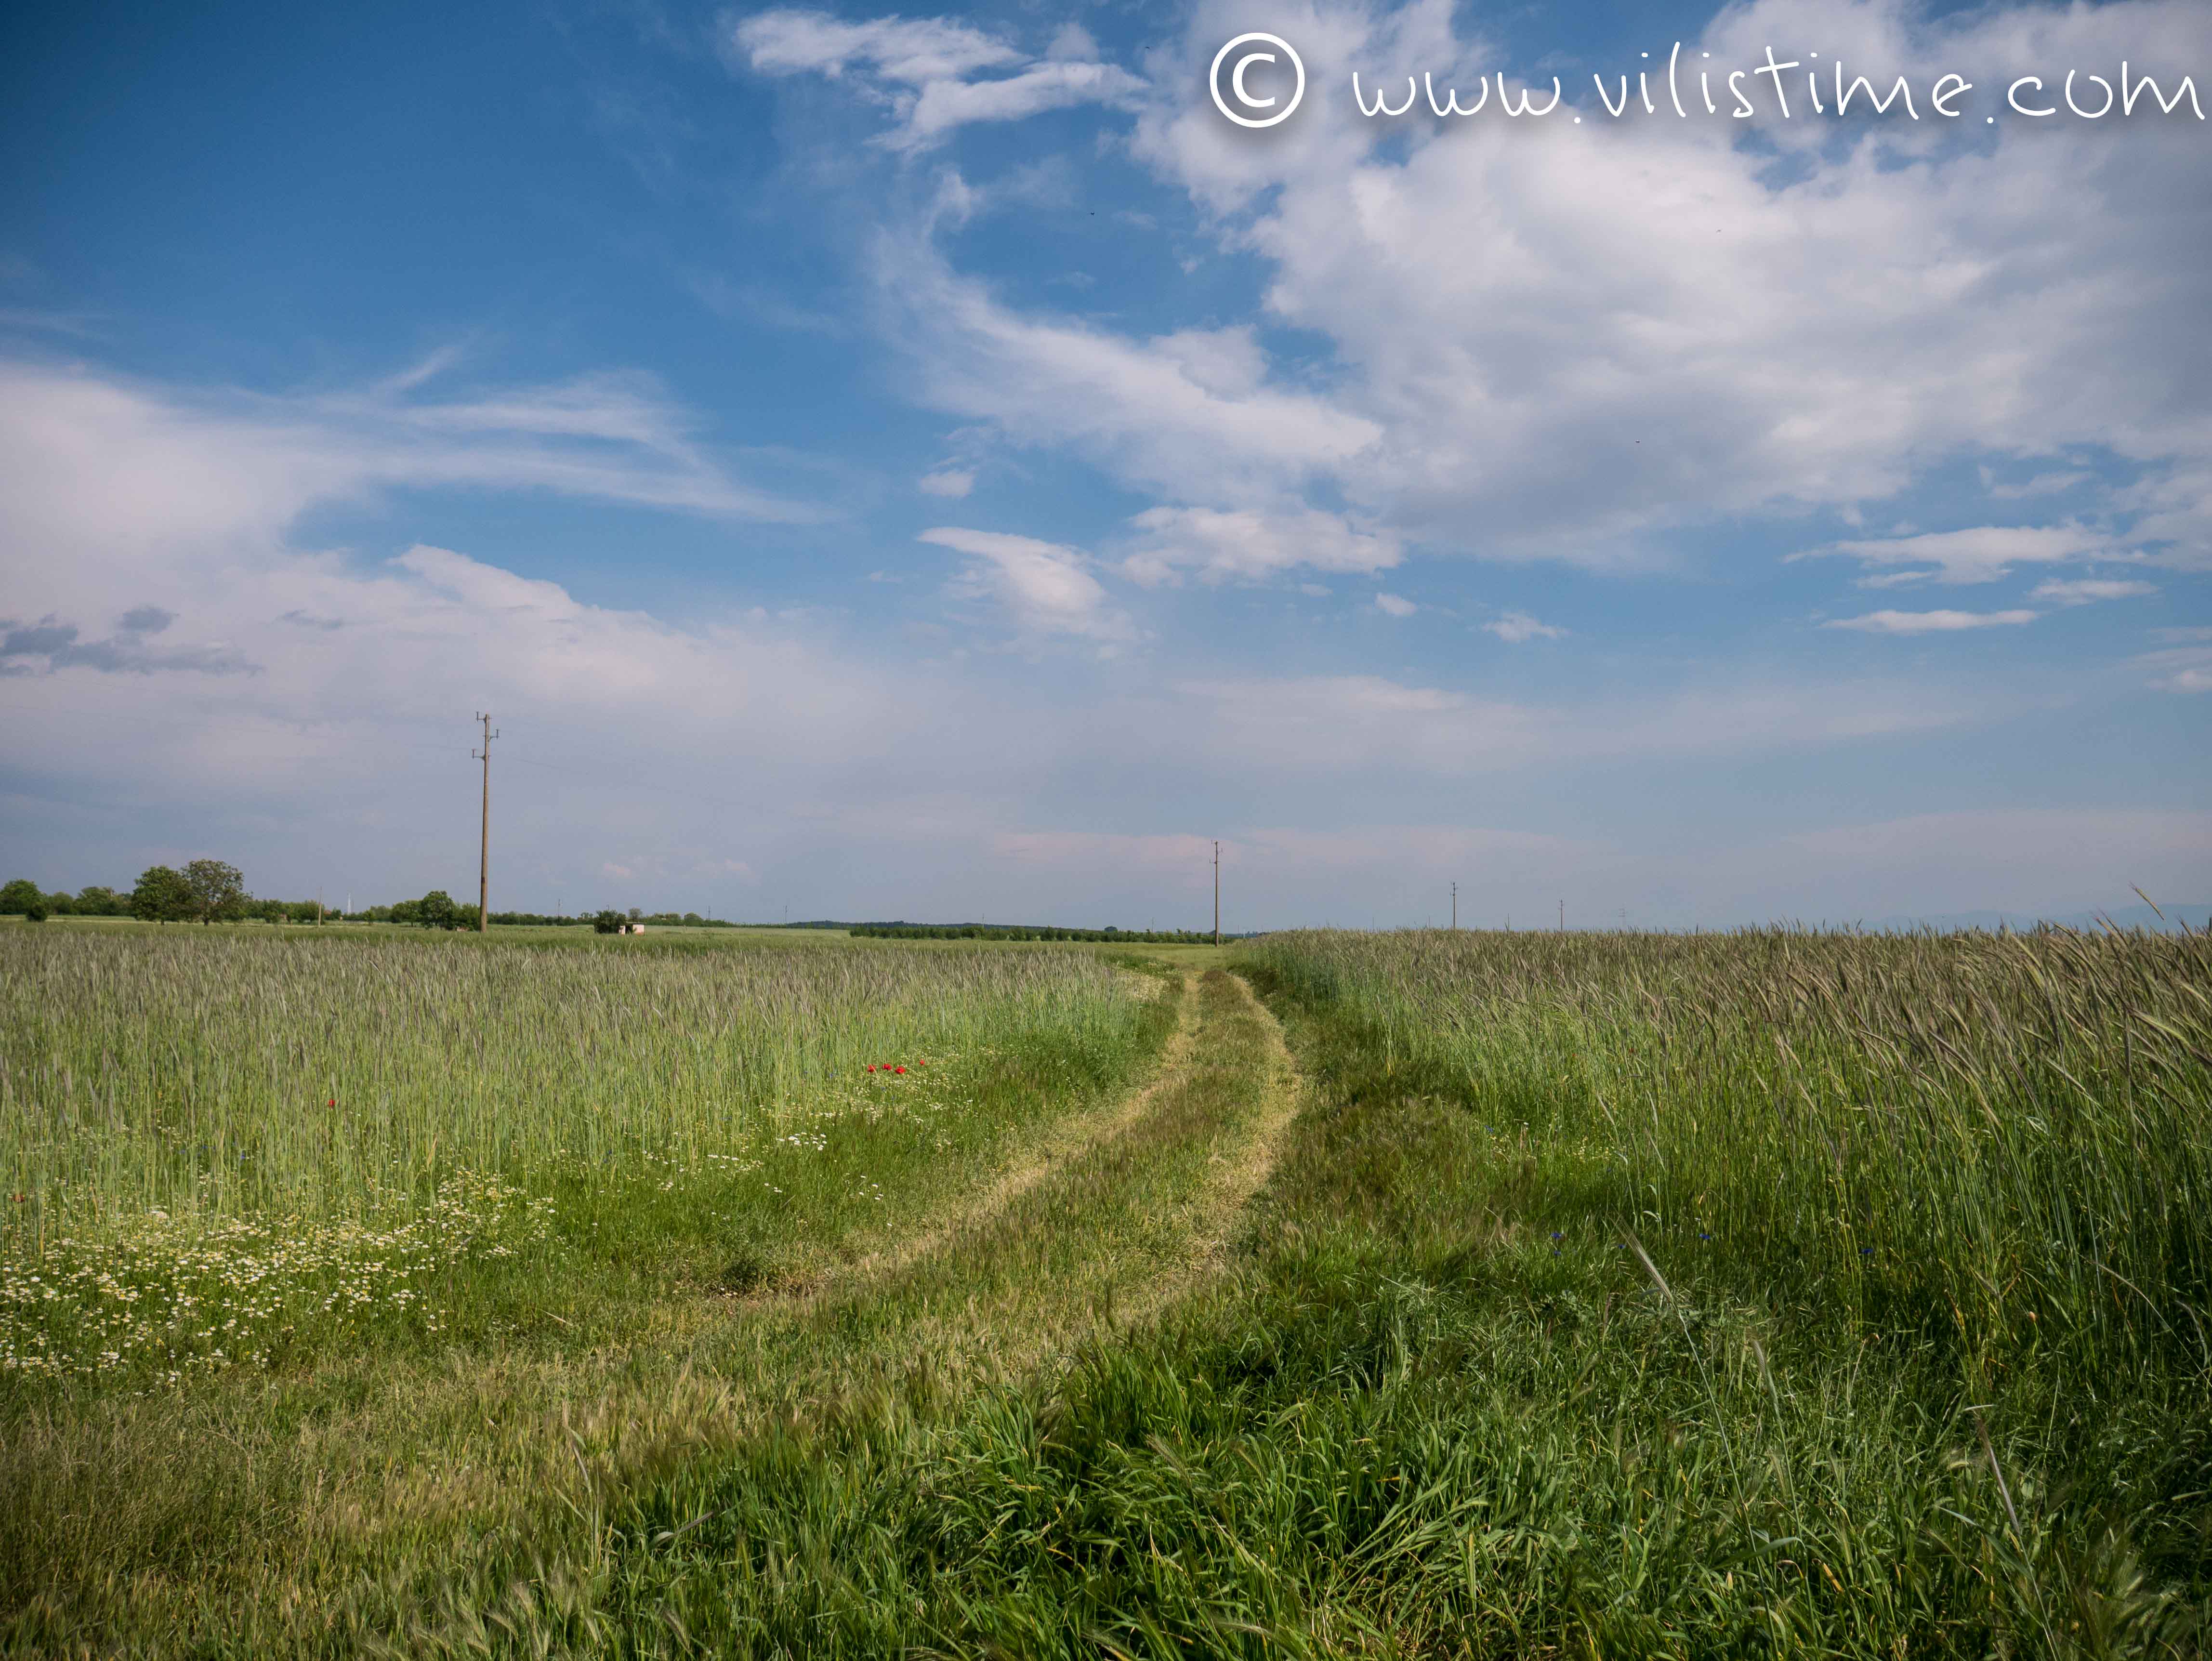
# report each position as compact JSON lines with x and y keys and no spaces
{"x":1047,"y":586}
{"x":1395,"y":605}
{"x":1571,"y":344}
{"x":1930,"y":623}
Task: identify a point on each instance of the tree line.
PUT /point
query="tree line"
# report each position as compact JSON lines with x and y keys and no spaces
{"x":213,"y":891}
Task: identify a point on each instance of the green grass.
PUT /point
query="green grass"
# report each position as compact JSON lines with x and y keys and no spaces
{"x":1621,"y":1295}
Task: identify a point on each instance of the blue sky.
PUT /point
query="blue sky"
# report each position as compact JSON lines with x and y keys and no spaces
{"x":933,"y":465}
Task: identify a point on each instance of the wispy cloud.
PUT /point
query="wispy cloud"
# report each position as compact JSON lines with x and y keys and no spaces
{"x":2085,"y":590}
{"x":1516,"y":627}
{"x":929,"y":73}
{"x":1395,"y":605}
{"x":1930,"y":622}
{"x":1046,"y":586}
{"x":1251,"y":544}
{"x":1983,"y":553}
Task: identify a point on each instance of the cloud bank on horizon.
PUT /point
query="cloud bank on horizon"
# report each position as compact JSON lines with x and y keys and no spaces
{"x":937,"y":466}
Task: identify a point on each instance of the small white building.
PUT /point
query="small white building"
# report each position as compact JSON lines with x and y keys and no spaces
{"x":633,"y":929}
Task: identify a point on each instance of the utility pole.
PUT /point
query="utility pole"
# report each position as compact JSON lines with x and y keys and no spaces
{"x":483,"y":850}
{"x":1563,"y":916}
{"x":1454,"y":906}
{"x":1217,"y":891}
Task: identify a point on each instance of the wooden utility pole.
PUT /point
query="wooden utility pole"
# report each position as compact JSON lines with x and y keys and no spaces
{"x":483,"y":848}
{"x":1563,"y":916}
{"x":1454,"y":905}
{"x":1217,"y":891}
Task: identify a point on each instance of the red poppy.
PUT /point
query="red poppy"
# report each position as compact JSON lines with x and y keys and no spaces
{"x":898,"y":1069}
{"x":872,"y":1067}
{"x":334,"y":1101}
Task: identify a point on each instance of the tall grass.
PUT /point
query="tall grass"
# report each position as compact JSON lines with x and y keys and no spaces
{"x":223,"y":1149}
{"x":1632,"y":1296}
{"x":1999,"y":1144}
{"x":231,"y":1076}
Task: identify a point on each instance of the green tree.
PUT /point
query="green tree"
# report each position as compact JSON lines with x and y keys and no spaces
{"x":23,"y":897}
{"x":98,"y":902}
{"x":218,"y":891}
{"x":607,"y":922}
{"x":161,"y":895}
{"x":435,"y":910}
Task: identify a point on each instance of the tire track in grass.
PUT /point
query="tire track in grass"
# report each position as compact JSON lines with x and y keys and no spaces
{"x":1064,"y":1141}
{"x":1137,"y":1211}
{"x":1110,"y":1218}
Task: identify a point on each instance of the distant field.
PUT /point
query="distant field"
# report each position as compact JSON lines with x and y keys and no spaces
{"x":1463,"y":1294}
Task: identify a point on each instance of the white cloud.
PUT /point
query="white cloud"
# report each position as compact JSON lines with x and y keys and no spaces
{"x":913,"y":52}
{"x":949,"y":481}
{"x":2083,"y":591}
{"x":945,"y":105}
{"x":1185,"y":413}
{"x":1565,"y":345}
{"x":211,"y":468}
{"x":2182,"y":668}
{"x":1394,"y":605}
{"x":1046,"y":586}
{"x":1930,"y":623}
{"x":1516,"y":627}
{"x":2040,"y":484}
{"x":925,"y":70}
{"x":1983,"y":553}
{"x":1251,"y":545}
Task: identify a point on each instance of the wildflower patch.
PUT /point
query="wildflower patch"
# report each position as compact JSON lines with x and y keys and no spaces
{"x":168,"y":1298}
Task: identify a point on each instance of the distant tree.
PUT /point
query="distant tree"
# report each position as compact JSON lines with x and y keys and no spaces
{"x":435,"y":909}
{"x":23,"y":897}
{"x":98,"y":902}
{"x":218,"y":891}
{"x":161,"y":895}
{"x":607,"y":922}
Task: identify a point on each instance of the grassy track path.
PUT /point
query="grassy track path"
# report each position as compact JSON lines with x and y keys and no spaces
{"x":1106,"y":1221}
{"x":398,"y":1500}
{"x":1109,"y":1218}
